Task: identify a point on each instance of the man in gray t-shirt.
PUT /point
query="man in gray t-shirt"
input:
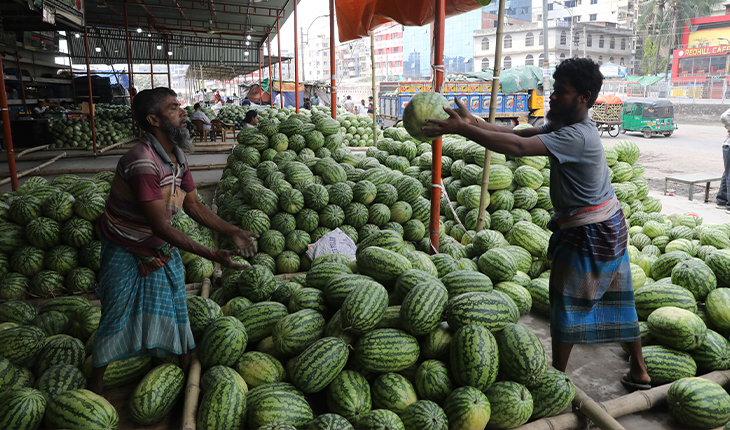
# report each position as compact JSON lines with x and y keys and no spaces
{"x":591,"y":289}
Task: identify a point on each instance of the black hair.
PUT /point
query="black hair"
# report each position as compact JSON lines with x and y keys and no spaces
{"x":583,"y":74}
{"x":149,"y":102}
{"x":196,"y":106}
{"x":348,"y":97}
{"x":250,"y":115}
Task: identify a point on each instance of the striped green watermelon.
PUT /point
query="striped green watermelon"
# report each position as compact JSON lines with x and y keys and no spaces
{"x":80,"y":280}
{"x":77,"y":232}
{"x":319,"y":364}
{"x":297,"y":331}
{"x":7,"y":374}
{"x":349,"y":395}
{"x":22,"y":408}
{"x":21,"y":345}
{"x":712,"y":354}
{"x":444,"y":263}
{"x":122,"y":372}
{"x":699,"y":403}
{"x":423,"y":307}
{"x":552,"y":393}
{"x":511,"y":404}
{"x":24,"y":209}
{"x":281,"y":406}
{"x":260,"y":318}
{"x":58,"y":379}
{"x":217,"y":374}
{"x":383,"y":265}
{"x":498,"y":264}
{"x":51,"y":323}
{"x":43,"y":232}
{"x":224,"y":341}
{"x":386,"y":239}
{"x":330,"y":422}
{"x":223,"y":407}
{"x":493,"y":310}
{"x":81,"y":409}
{"x":424,"y":414}
{"x":424,"y":105}
{"x":60,"y":349}
{"x":433,"y":381}
{"x":89,"y":205}
{"x":467,"y":408}
{"x":363,"y":308}
{"x":256,"y":283}
{"x":386,"y":350}
{"x":651,"y":297}
{"x":393,"y":392}
{"x":202,"y":312}
{"x":474,"y":357}
{"x":677,"y":328}
{"x":61,"y":259}
{"x":719,"y":262}
{"x":436,"y":344}
{"x":13,"y":286}
{"x":13,"y":237}
{"x":156,"y":394}
{"x":665,"y":365}
{"x":65,"y":305}
{"x":59,"y":206}
{"x":258,"y":368}
{"x":27,"y":261}
{"x":522,"y":357}
{"x":519,"y":295}
{"x":380,"y":419}
{"x":529,"y":236}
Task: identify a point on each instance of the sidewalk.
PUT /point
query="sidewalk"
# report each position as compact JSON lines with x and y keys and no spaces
{"x":681,"y":204}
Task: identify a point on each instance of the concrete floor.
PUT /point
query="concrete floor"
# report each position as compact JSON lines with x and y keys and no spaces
{"x":596,"y":369}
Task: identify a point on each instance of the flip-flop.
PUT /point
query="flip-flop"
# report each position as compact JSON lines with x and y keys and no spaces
{"x":632,"y":385}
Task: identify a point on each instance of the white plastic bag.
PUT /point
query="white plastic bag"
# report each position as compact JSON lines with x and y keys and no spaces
{"x":334,"y":242}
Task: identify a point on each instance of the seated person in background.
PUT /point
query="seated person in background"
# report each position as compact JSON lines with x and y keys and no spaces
{"x":307,"y":104}
{"x":200,"y":115}
{"x":251,"y":120}
{"x":40,"y":109}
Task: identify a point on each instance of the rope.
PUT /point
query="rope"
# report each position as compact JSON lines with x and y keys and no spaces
{"x":441,"y":69}
{"x":451,"y":206}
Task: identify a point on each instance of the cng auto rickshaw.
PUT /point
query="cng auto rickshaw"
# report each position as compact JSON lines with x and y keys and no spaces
{"x":648,"y":116}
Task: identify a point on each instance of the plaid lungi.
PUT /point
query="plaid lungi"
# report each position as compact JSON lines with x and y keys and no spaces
{"x":591,"y":291}
{"x":140,"y":315}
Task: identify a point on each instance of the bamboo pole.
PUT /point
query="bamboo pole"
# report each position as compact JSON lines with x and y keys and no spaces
{"x":116,"y":145}
{"x":637,"y":401}
{"x":375,"y":100}
{"x":483,"y":199}
{"x":594,"y":411}
{"x":35,"y":169}
{"x":29,"y":150}
{"x":192,"y":393}
{"x":439,"y":26}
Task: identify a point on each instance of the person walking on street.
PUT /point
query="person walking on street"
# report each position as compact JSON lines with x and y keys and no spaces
{"x":349,"y":105}
{"x":206,"y":97}
{"x":142,"y":286}
{"x":723,"y":200}
{"x":201,"y":96}
{"x":591,"y":290}
{"x":370,"y":104}
{"x":361,"y":108}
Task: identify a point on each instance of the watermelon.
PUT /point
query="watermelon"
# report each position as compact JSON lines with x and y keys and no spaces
{"x":257,"y":282}
{"x":224,"y":341}
{"x":22,"y":408}
{"x":260,"y":318}
{"x":349,"y":395}
{"x":383,"y":265}
{"x":422,"y":308}
{"x":258,"y":368}
{"x":492,"y":310}
{"x":80,"y":409}
{"x":297,"y":331}
{"x":552,"y":393}
{"x":522,"y":357}
{"x":43,"y":232}
{"x":467,"y":408}
{"x":363,"y":308}
{"x":223,"y":407}
{"x":677,"y":328}
{"x":511,"y":404}
{"x":433,"y":381}
{"x":281,"y":406}
{"x":59,"y":207}
{"x":393,"y":392}
{"x":386,"y":350}
{"x":420,"y":107}
{"x":379,"y":419}
{"x":712,"y":354}
{"x":60,"y":349}
{"x":202,"y":312}
{"x":21,"y":345}
{"x":330,"y":422}
{"x":58,"y":379}
{"x":424,"y":414}
{"x":651,"y":297}
{"x":122,"y":372}
{"x":319,"y":364}
{"x":62,"y":259}
{"x":699,"y":403}
{"x":474,"y":357}
{"x":666,"y":365}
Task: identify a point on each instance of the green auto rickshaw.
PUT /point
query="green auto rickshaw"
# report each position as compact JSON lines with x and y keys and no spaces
{"x":648,"y":116}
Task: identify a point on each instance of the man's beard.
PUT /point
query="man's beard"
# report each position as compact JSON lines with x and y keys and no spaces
{"x":564,"y":116}
{"x":180,"y":137}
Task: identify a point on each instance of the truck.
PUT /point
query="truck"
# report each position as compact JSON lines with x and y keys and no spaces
{"x":524,"y":107}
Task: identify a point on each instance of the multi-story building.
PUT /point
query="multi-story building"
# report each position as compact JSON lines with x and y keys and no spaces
{"x":519,"y":9}
{"x":353,"y":59}
{"x":621,"y":13}
{"x":523,"y":44}
{"x":389,"y":51}
{"x":316,"y":63}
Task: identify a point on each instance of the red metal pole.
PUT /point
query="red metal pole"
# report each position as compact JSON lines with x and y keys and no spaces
{"x":278,"y":42}
{"x":71,"y":67}
{"x":271,"y":82}
{"x":6,"y":127}
{"x":296,"y":57}
{"x":152,"y":67}
{"x":333,"y":69}
{"x":261,"y":50}
{"x":91,"y":94}
{"x":129,"y":55}
{"x":438,"y":61}
{"x":22,"y":85}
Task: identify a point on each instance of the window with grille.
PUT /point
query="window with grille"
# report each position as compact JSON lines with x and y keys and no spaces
{"x":589,"y":40}
{"x":529,"y":60}
{"x":563,"y":38}
{"x":623,"y":44}
{"x":529,"y":39}
{"x":601,"y":42}
{"x":485,"y":44}
{"x":612,"y":45}
{"x":507,"y":41}
{"x":485,"y":63}
{"x":540,"y":40}
{"x":507,"y":63}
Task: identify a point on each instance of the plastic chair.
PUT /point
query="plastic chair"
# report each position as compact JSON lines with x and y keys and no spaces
{"x":223,"y":128}
{"x":200,"y":132}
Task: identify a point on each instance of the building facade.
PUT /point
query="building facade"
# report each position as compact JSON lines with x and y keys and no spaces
{"x":389,"y":51}
{"x":316,"y":63}
{"x":704,"y":55}
{"x":353,"y":59}
{"x":523,"y":44}
{"x":519,"y":9}
{"x":621,"y":13}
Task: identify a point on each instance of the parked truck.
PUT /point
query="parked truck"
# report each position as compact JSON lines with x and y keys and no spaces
{"x":524,"y":107}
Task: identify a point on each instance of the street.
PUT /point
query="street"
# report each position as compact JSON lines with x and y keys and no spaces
{"x":693,"y":148}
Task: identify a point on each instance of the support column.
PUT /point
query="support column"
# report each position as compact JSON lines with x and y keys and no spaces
{"x":130,"y":72}
{"x":22,"y":85}
{"x":71,"y":67}
{"x":333,"y":68}
{"x":438,"y":61}
{"x":91,"y":93}
{"x":271,"y":82}
{"x":278,"y":42}
{"x":152,"y":67}
{"x":296,"y":58}
{"x":372,"y":62}
{"x":169,"y":78}
{"x":6,"y":128}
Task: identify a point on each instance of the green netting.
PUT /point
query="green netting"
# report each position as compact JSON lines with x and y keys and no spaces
{"x":516,"y":79}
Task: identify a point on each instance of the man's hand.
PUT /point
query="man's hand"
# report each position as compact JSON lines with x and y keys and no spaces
{"x":244,"y":240}
{"x":224,"y":258}
{"x":454,"y":125}
{"x":464,"y":113}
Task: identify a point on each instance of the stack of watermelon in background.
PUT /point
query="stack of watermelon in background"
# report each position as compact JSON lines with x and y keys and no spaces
{"x":397,"y":339}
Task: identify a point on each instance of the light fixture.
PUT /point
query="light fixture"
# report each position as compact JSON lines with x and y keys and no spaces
{"x":77,"y":35}
{"x":139,"y":30}
{"x":169,"y":52}
{"x":248,"y":37}
{"x":97,"y":49}
{"x":245,"y":53}
{"x":149,"y":34}
{"x":159,"y":47}
{"x":248,"y":43}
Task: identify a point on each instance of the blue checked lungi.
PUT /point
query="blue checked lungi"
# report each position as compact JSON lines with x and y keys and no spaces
{"x":140,"y":315}
{"x":591,"y":291}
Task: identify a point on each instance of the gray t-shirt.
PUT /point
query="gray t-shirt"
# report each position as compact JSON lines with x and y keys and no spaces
{"x":578,"y":172}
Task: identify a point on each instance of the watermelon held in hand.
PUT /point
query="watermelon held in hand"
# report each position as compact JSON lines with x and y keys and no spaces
{"x":421,"y":107}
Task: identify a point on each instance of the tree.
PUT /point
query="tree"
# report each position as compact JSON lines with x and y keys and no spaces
{"x":650,"y":54}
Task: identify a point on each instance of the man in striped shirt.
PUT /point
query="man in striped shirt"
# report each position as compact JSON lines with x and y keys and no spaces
{"x":142,"y":286}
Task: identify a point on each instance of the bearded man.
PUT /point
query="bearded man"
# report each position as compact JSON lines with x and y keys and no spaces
{"x":142,"y":287}
{"x":591,"y":291}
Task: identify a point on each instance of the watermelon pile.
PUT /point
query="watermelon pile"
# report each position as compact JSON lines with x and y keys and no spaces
{"x":113,"y":124}
{"x":51,"y":244}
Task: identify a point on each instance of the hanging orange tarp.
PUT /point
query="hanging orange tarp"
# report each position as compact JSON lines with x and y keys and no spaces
{"x":288,"y":87}
{"x":609,"y":100}
{"x":355,"y":18}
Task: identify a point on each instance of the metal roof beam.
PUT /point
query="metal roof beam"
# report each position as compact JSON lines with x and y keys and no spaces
{"x":223,"y":7}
